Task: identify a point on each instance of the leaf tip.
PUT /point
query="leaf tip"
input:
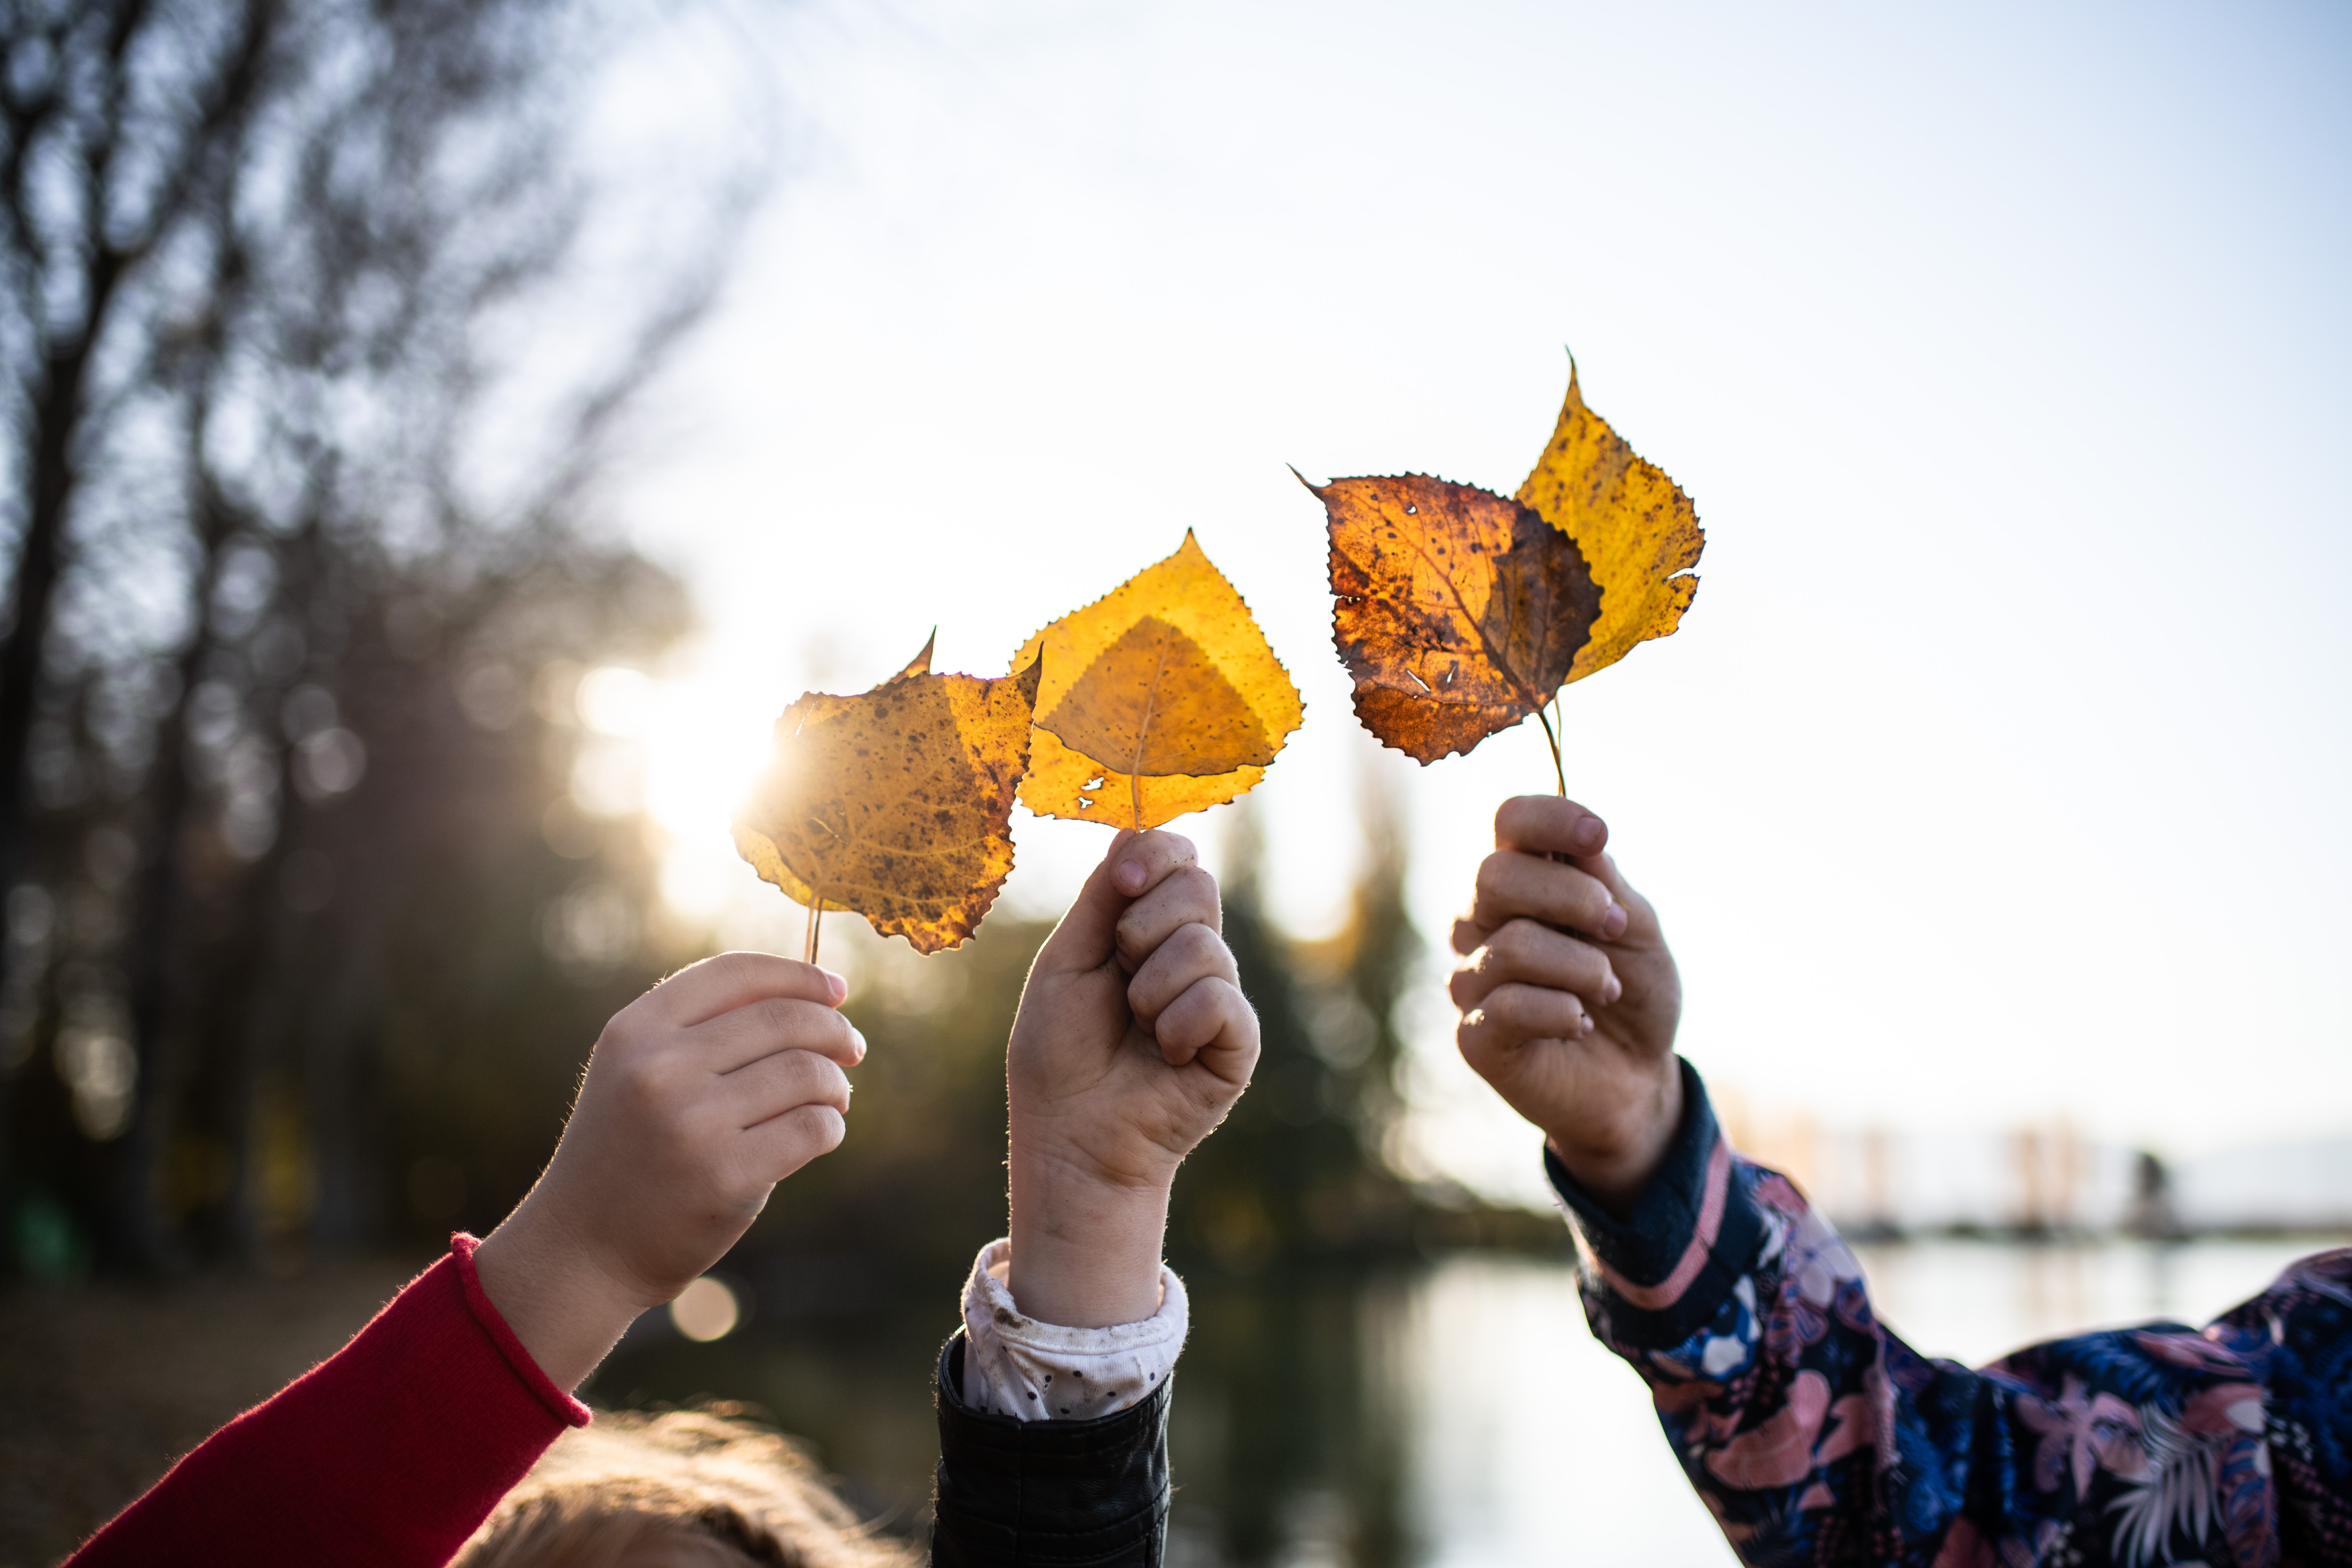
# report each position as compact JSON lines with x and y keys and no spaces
{"x":1303,"y":479}
{"x":921,"y":663}
{"x":1030,"y":676}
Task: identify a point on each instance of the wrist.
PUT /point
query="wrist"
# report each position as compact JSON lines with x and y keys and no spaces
{"x":1086,"y":1248}
{"x":566,"y":1308}
{"x":1614,"y":1156}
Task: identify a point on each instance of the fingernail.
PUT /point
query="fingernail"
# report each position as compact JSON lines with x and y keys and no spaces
{"x":1129,"y":876}
{"x":1611,"y":991}
{"x":1584,"y":1025}
{"x":858,"y":1036}
{"x":837,"y":984}
{"x":1590,"y":835}
{"x":1613,"y":923}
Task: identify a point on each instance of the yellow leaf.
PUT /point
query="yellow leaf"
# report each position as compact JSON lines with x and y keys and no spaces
{"x":896,"y":802}
{"x":1160,"y":698}
{"x":1637,"y":529}
{"x":1458,"y":613}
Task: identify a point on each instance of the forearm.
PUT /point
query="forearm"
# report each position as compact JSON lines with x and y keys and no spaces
{"x":1086,"y":1250}
{"x":388,"y":1454}
{"x":1613,"y":1156}
{"x":568,"y":1312}
{"x":1747,"y":1317}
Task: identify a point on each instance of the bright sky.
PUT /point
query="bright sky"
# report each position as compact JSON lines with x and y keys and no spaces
{"x":1996,"y":773}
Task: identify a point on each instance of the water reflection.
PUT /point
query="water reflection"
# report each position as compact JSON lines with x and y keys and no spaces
{"x":1457,"y":1416}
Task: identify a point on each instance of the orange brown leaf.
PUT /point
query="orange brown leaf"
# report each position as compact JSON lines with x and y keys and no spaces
{"x":1160,"y":698}
{"x":1637,"y":529}
{"x":896,"y":802}
{"x":1459,"y":613}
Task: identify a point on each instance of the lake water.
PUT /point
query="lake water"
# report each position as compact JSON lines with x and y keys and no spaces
{"x":1455,"y":1416}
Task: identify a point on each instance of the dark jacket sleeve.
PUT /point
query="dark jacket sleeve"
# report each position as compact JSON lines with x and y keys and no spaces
{"x":1816,"y":1435}
{"x":1047,"y":1494}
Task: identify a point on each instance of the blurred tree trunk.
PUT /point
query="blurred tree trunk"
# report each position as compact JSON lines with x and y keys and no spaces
{"x":66,"y":105}
{"x":253,"y":256}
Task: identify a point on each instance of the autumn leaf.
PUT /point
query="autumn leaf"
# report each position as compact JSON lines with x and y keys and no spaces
{"x":1637,"y":529}
{"x":896,"y":802}
{"x":1158,"y":699}
{"x":1458,"y":613}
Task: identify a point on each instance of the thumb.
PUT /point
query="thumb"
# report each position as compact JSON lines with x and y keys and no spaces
{"x":1087,"y":936}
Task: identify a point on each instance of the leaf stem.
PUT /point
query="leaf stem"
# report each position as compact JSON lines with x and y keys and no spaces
{"x":815,"y":922}
{"x":1144,"y":733}
{"x":1558,"y":773}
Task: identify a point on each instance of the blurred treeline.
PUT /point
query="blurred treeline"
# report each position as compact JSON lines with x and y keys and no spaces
{"x":310,"y":916}
{"x":296,"y":577}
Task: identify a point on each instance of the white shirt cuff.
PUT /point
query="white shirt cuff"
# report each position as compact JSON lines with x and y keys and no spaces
{"x":1014,"y":1365}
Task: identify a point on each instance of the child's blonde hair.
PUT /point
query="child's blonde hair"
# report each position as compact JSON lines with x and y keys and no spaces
{"x":689,"y":1489}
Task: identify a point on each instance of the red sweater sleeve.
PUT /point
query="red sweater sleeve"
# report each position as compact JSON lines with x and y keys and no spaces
{"x":386,"y":1454}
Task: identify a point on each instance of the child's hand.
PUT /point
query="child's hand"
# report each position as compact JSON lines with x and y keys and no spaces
{"x":701,"y":1095}
{"x":1569,"y":998}
{"x":1132,"y":1042}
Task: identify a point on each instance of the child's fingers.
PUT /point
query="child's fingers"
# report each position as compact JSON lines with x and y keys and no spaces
{"x":1524,"y":952}
{"x":1184,"y":895}
{"x":702,"y":990}
{"x":1210,"y":1023}
{"x":783,"y":1145}
{"x":1547,"y":824}
{"x":1468,"y":935}
{"x":762,"y":1090}
{"x":1513,"y":1014}
{"x":1191,"y":952}
{"x":1512,"y":885}
{"x":764,"y":1027}
{"x":1640,"y":919}
{"x":1139,"y":865}
{"x":1136,"y":863}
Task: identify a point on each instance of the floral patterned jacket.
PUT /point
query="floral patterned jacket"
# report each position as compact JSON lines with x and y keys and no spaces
{"x":1814,"y":1435}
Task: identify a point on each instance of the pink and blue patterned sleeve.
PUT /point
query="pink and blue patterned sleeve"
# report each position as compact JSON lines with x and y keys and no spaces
{"x":1815,"y":1436}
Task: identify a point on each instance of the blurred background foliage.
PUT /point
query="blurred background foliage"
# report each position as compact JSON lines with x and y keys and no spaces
{"x":317,"y":887}
{"x":304,"y":939}
{"x":319,"y":879}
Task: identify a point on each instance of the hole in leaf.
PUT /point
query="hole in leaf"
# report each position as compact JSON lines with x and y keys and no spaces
{"x":1084,"y":803}
{"x":1094,"y":783}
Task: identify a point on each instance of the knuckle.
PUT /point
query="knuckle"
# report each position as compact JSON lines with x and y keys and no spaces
{"x":729,"y":966}
{"x":1513,"y":947}
{"x":642,"y":1080}
{"x":1195,"y":942}
{"x":1505,"y":1008}
{"x":1143,"y":996}
{"x":1490,"y":873}
{"x":830,"y":1083}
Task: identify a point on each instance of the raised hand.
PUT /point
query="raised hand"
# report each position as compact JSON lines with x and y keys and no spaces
{"x":700,"y":1096}
{"x":1569,"y":996}
{"x":1132,"y":1042}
